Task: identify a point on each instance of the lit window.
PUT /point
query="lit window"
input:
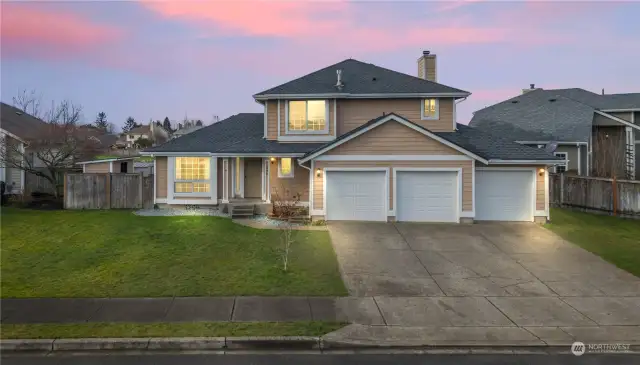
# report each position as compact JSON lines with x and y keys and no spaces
{"x":429,"y":109}
{"x":565,"y":164}
{"x":192,"y":175}
{"x":307,"y":115}
{"x":285,"y":168}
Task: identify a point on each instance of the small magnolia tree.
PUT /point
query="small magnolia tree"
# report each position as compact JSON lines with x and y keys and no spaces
{"x":52,"y":148}
{"x":286,"y":236}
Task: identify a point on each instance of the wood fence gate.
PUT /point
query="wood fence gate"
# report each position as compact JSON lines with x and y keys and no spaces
{"x":108,"y":191}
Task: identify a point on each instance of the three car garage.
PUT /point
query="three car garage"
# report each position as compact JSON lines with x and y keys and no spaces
{"x":428,"y":194}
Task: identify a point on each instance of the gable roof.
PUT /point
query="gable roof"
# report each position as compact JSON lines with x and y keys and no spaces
{"x":599,"y":101}
{"x":359,"y":78}
{"x":239,"y":134}
{"x":19,"y":123}
{"x":474,"y":143}
{"x":564,"y":115}
{"x":537,"y":115}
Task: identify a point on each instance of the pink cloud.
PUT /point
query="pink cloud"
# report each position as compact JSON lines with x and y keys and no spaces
{"x":33,"y":31}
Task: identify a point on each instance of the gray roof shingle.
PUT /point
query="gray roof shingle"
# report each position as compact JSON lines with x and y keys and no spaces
{"x":359,"y":78}
{"x":19,"y":123}
{"x":485,"y":145}
{"x":538,"y":115}
{"x":241,"y":133}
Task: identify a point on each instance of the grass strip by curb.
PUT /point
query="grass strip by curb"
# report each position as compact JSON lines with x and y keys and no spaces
{"x":182,"y":329}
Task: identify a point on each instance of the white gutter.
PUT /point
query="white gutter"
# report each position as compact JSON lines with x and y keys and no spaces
{"x":545,"y":142}
{"x":209,"y":154}
{"x":361,"y":96}
{"x":521,"y":162}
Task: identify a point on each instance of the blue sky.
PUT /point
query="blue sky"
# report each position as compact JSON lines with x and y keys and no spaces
{"x":151,"y":59}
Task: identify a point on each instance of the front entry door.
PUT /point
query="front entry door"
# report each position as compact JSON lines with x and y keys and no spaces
{"x":253,"y":178}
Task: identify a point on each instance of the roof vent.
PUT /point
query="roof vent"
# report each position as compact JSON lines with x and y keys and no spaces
{"x":532,"y":86}
{"x":552,"y":99}
{"x":18,"y":113}
{"x":514,"y":101}
{"x":374,"y":79}
{"x":339,"y":83}
{"x":426,"y":53}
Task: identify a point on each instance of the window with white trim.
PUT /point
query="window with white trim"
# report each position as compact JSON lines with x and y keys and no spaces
{"x":430,"y":109}
{"x":565,"y":165}
{"x":307,"y":116}
{"x":192,"y":175}
{"x":285,"y":167}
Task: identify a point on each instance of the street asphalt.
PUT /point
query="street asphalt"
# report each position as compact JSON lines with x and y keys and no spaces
{"x":318,"y":359}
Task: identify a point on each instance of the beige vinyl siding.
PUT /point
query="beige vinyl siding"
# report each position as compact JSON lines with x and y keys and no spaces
{"x":540,"y":202}
{"x":287,"y":187}
{"x":283,"y":120}
{"x":421,"y":65}
{"x":395,"y":139}
{"x":467,"y":179}
{"x":100,"y":167}
{"x":272,"y":119}
{"x":622,"y":115}
{"x":161,"y":177}
{"x":353,"y":113}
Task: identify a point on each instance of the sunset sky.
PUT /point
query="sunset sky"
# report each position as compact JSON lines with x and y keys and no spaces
{"x":151,"y":59}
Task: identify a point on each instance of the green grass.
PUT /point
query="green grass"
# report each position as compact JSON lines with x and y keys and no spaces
{"x":616,"y":240}
{"x":188,"y":329}
{"x":118,"y":254}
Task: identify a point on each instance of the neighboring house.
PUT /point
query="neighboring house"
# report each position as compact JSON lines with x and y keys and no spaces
{"x":153,"y":132}
{"x":184,"y":131}
{"x":17,"y":127}
{"x":144,"y":168}
{"x":358,"y":142}
{"x":112,"y":165}
{"x":596,"y":134}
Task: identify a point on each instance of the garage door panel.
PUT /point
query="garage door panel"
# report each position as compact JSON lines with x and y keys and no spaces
{"x":503,"y":195}
{"x":356,"y":195}
{"x":427,"y":196}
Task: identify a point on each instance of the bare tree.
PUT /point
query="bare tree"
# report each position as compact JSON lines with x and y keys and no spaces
{"x":54,"y":147}
{"x":610,"y":158}
{"x":29,"y":102}
{"x":286,"y":235}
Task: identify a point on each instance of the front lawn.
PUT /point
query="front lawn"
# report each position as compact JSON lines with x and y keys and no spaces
{"x":616,"y":240}
{"x":118,"y":254}
{"x":186,"y":329}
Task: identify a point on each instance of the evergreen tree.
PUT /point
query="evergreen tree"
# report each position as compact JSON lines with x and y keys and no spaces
{"x":166,"y":124}
{"x":129,"y":124}
{"x":199,"y":123}
{"x":101,"y":121}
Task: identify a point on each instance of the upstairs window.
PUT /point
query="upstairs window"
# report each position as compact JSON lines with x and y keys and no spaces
{"x":307,"y":116}
{"x":429,"y":109}
{"x":192,"y":175}
{"x":565,"y":164}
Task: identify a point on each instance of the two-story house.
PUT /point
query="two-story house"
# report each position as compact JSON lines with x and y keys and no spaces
{"x":358,"y":142}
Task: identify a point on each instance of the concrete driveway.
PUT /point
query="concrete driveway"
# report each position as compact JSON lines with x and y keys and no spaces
{"x":481,"y":275}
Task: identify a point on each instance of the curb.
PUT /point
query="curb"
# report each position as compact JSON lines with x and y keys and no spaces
{"x":301,"y":343}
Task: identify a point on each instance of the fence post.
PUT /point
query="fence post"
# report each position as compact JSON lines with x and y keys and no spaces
{"x":562,"y":189}
{"x":108,"y":190}
{"x":141,"y":199}
{"x":614,"y":190}
{"x":64,"y":192}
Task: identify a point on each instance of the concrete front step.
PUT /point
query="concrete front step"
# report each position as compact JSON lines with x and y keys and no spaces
{"x":242,"y":211}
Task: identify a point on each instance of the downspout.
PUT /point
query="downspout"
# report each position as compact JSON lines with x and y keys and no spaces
{"x":455,"y":122}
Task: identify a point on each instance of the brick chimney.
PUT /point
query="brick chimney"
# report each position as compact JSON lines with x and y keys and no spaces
{"x":427,"y":67}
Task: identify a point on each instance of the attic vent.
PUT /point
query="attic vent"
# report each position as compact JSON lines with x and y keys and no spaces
{"x":18,"y":113}
{"x":514,"y":101}
{"x":552,"y":100}
{"x":374,"y":79}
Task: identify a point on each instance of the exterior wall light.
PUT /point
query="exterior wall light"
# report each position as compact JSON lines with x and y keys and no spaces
{"x":318,"y":172}
{"x":541,"y":171}
{"x":273,"y":159}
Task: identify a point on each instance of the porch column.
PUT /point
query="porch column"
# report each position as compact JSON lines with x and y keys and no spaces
{"x":266,"y":184}
{"x":237,"y":179}
{"x":213,"y":175}
{"x":225,"y":180}
{"x":631,"y":155}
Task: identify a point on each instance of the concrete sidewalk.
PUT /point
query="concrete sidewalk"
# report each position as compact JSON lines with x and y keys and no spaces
{"x":179,"y":309}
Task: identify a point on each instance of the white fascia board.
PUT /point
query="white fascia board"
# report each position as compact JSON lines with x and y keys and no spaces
{"x":4,"y":131}
{"x":305,"y":138}
{"x":527,"y":162}
{"x":180,"y":154}
{"x":105,"y":160}
{"x":620,"y":120}
{"x":620,"y":110}
{"x":559,"y":143}
{"x":239,"y":154}
{"x":405,"y":123}
{"x":361,"y":96}
{"x":393,"y":158}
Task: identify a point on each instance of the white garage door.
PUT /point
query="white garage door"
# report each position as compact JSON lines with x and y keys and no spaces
{"x":356,"y":196}
{"x":504,"y":195}
{"x":427,"y":196}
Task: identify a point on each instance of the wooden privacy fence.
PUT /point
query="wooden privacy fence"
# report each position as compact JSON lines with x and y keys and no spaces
{"x":108,"y":191}
{"x":619,"y":197}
